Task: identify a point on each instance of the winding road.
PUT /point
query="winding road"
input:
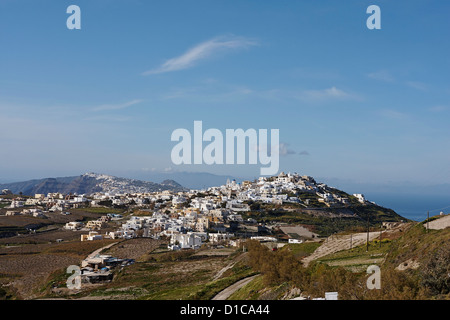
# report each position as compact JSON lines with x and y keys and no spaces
{"x":227,"y":292}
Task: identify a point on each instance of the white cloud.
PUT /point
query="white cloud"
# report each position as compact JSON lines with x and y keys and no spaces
{"x":325,"y":94}
{"x":439,"y":108}
{"x":109,"y":118}
{"x":382,"y":75}
{"x":217,"y":93}
{"x":394,"y":114}
{"x":417,"y":85}
{"x":202,"y":51}
{"x":116,"y":106}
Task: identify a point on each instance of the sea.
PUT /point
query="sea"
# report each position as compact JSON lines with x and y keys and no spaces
{"x":412,"y":206}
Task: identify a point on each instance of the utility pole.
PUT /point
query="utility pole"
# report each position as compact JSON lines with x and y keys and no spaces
{"x":367,"y":246}
{"x":351,"y":240}
{"x":381,"y":230}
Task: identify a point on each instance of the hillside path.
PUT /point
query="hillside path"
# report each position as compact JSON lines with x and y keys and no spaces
{"x":227,"y":292}
{"x":97,"y":252}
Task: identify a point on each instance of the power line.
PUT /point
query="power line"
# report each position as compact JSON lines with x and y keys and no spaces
{"x":440,"y":209}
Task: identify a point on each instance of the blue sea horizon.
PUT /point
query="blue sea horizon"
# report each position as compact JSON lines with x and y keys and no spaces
{"x":412,"y":206}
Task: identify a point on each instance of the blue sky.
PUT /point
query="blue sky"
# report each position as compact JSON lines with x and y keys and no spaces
{"x":350,"y":103}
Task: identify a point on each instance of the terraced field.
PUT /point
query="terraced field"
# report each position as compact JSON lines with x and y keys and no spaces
{"x":337,"y":243}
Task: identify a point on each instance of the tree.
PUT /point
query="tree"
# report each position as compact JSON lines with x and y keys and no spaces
{"x":436,"y":271}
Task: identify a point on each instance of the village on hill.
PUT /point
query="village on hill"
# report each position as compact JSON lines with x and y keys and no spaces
{"x":191,"y":218}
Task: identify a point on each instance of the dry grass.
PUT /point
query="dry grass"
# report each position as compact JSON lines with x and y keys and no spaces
{"x":134,"y":248}
{"x":25,"y":273}
{"x":25,"y":268}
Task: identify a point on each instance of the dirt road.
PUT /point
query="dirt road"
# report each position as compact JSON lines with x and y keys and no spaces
{"x":227,"y":292}
{"x":96,"y":252}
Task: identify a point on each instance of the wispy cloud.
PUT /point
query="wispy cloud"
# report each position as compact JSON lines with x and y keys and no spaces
{"x":386,"y":76}
{"x":325,"y":94}
{"x":207,"y":93}
{"x":105,"y":107}
{"x":394,"y":114}
{"x":108,"y":118}
{"x":439,"y":108}
{"x":382,"y":75}
{"x":417,"y":85}
{"x":203,"y":51}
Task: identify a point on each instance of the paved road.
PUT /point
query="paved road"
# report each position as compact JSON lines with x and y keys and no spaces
{"x":96,"y":252}
{"x":227,"y":292}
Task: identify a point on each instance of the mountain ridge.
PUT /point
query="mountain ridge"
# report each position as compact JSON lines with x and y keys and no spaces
{"x":89,"y":183}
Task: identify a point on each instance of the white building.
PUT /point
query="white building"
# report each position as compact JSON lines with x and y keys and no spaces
{"x":74,"y":225}
{"x":16,"y":204}
{"x":32,"y":202}
{"x":79,"y":198}
{"x":237,"y":206}
{"x":283,"y":178}
{"x":12,"y":213}
{"x":217,"y":237}
{"x":122,"y":234}
{"x":93,"y":235}
{"x":176,"y":200}
{"x":360,"y":197}
{"x":55,"y":195}
{"x":189,"y":240}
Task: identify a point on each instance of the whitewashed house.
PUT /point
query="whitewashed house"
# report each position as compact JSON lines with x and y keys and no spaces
{"x":189,"y":240}
{"x":360,"y":197}
{"x":16,"y":204}
{"x":74,"y":225}
{"x":93,"y":235}
{"x":217,"y":237}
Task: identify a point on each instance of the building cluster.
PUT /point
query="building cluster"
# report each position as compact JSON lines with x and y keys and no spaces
{"x":52,"y":201}
{"x":184,"y":231}
{"x":190,"y":218}
{"x":98,"y":268}
{"x":284,"y":188}
{"x":35,"y":212}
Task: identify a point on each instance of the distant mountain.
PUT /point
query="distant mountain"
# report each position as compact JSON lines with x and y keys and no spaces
{"x":172,"y":184}
{"x":192,"y":180}
{"x":89,"y":183}
{"x":30,"y":187}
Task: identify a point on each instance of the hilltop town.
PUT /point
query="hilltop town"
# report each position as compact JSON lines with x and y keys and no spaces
{"x":189,"y":218}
